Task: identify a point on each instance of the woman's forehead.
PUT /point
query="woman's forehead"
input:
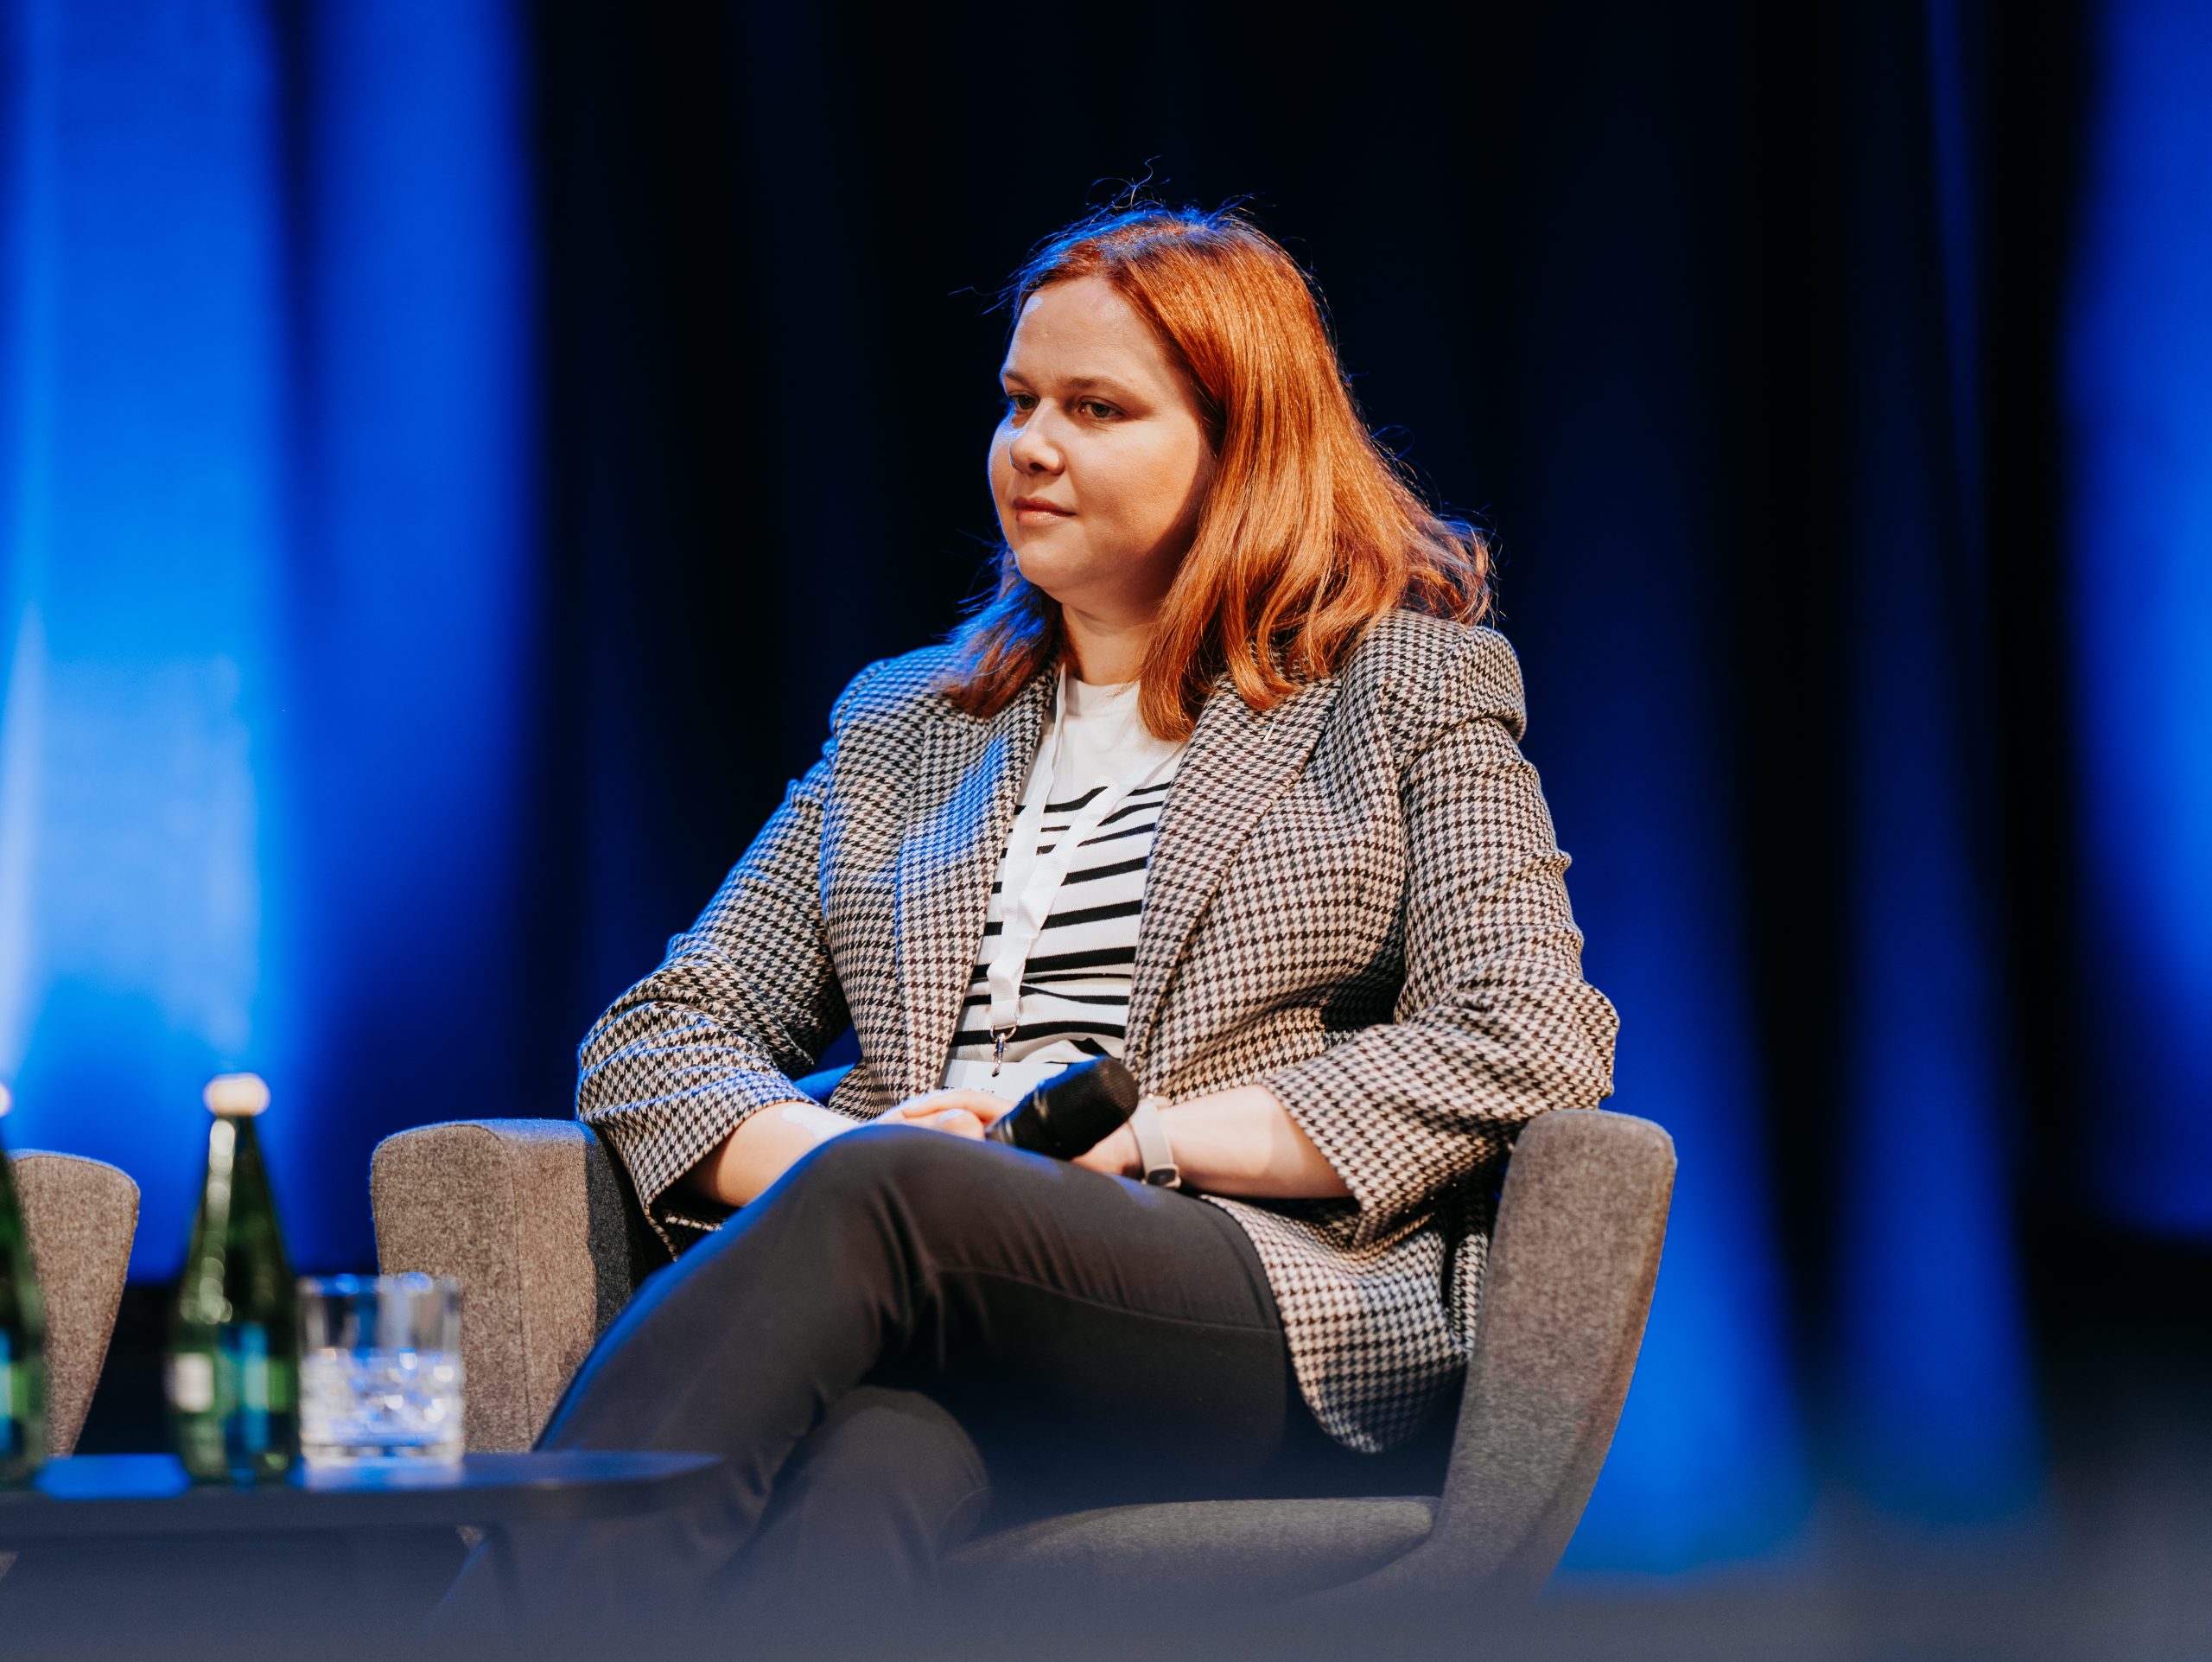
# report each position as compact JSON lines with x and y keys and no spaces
{"x":1081,"y":330}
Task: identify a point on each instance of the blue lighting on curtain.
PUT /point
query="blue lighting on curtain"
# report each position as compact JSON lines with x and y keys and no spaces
{"x":143,"y":867}
{"x":1935,"y":1368}
{"x":2139,"y":406}
{"x":1708,"y":1465}
{"x":265,"y":484}
{"x":1938,"y":1422}
{"x":416,"y":604}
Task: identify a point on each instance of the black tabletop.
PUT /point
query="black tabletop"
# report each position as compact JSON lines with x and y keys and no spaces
{"x":149,"y":1494}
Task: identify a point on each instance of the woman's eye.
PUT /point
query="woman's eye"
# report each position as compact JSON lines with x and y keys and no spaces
{"x":1019,"y":402}
{"x":1098,"y":410}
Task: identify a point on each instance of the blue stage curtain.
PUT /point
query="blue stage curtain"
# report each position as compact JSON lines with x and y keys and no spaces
{"x":144,"y":830}
{"x":267,"y":481}
{"x":2139,"y":406}
{"x":1931,"y":1353}
{"x":1610,"y":443}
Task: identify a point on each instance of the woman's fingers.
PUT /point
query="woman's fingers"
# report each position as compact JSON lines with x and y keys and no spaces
{"x":938,"y":1110}
{"x":958,"y":1121}
{"x":981,"y":1105}
{"x":916,"y":1109}
{"x":986,"y":1108}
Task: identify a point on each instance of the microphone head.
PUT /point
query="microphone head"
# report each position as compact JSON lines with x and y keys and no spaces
{"x":1073,"y":1111}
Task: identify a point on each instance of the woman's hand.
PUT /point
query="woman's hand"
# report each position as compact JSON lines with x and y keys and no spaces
{"x":1115,"y":1154}
{"x":963,"y":1114}
{"x":745,"y":1164}
{"x":967,"y":1113}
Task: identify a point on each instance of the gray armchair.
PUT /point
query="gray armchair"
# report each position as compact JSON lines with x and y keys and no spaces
{"x":83,"y":1215}
{"x":536,"y":1221}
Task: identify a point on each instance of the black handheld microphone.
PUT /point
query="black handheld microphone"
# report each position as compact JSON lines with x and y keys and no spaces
{"x":1071,"y":1112}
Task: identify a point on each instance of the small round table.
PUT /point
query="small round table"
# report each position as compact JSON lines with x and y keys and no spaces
{"x":141,"y":1548}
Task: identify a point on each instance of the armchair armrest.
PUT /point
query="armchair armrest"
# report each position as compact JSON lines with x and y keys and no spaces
{"x":1572,"y":1266}
{"x":82,"y":1215}
{"x":534,"y":1219}
{"x":1573,"y":1261}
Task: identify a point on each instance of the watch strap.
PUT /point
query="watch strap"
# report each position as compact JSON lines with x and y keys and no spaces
{"x":1153,"y":1151}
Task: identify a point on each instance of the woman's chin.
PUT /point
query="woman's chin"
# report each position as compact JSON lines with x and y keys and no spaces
{"x":1047,"y":573}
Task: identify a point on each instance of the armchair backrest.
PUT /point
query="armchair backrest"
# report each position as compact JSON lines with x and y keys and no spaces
{"x":536,"y":1221}
{"x":83,"y":1216}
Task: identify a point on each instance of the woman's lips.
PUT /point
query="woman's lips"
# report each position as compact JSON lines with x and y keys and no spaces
{"x":1031,"y":511}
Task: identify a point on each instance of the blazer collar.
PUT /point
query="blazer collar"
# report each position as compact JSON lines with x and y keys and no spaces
{"x":1238,"y":762}
{"x":969,"y":777}
{"x":967,"y":782}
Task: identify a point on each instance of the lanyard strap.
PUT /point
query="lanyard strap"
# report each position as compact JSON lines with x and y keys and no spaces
{"x":1030,"y":883}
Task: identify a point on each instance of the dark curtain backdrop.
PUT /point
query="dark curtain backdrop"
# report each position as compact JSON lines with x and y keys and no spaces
{"x":632,"y":369}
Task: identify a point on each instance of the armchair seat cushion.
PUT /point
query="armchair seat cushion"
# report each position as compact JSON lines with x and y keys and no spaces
{"x":1192,"y":1551}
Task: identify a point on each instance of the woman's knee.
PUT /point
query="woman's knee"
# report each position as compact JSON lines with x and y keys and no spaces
{"x":885,"y":1486}
{"x":909,"y":1163}
{"x":869,"y":1170}
{"x":902,"y":1452}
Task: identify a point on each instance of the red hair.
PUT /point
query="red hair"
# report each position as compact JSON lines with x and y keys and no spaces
{"x":1309,"y":531}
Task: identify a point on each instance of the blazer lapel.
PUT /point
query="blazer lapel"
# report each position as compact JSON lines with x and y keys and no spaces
{"x":1238,"y":762}
{"x":968,"y":787}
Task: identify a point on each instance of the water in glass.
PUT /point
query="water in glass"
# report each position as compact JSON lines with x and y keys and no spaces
{"x":380,"y":1372}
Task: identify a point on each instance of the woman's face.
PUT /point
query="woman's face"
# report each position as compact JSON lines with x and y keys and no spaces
{"x":1100,"y":463}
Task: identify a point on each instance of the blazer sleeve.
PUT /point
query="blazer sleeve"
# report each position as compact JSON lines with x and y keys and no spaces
{"x":746,"y":1000}
{"x":1494,"y":1022}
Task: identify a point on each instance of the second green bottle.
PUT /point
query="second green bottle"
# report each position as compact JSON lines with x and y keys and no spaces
{"x":233,"y":1365}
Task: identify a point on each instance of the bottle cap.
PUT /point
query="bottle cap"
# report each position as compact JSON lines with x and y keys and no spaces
{"x":236,"y":1095}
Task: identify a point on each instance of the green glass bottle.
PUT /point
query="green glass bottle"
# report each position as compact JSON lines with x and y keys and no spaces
{"x":233,"y":1363}
{"x":22,"y":1338}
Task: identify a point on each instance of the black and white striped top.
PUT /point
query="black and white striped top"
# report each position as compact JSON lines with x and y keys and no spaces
{"x":1075,"y":991}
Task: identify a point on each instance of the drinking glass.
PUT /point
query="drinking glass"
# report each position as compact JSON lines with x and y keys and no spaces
{"x":380,"y":1369}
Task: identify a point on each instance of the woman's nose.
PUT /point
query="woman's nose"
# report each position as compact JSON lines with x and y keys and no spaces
{"x":1033,"y":449}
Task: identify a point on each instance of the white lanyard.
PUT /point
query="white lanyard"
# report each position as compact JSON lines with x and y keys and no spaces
{"x":1029,"y":884}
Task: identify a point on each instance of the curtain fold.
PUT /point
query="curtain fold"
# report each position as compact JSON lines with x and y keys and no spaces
{"x":270,"y":587}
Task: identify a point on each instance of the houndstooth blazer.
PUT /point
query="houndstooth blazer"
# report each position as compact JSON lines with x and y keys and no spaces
{"x":1354,"y":899}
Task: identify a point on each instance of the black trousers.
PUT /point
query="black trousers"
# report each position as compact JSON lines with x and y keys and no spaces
{"x":908,"y":1336}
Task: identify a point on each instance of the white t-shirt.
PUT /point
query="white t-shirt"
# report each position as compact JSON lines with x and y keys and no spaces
{"x":1074,"y":989}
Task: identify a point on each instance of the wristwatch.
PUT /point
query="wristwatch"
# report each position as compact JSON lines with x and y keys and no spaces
{"x":1153,"y":1152}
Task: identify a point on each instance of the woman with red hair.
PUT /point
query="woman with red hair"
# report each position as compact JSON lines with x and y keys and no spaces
{"x":1222,"y":781}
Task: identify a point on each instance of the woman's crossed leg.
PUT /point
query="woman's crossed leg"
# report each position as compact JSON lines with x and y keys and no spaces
{"x":1099,"y":1343}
